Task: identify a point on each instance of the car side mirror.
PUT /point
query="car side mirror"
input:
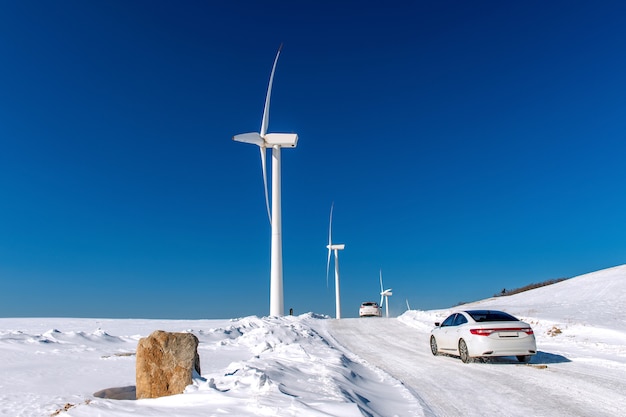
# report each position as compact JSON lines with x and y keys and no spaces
{"x":437,"y":324}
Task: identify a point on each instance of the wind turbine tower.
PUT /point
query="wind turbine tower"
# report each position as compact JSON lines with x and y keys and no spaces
{"x":275,"y":141}
{"x":384,"y":295}
{"x":334,"y":248}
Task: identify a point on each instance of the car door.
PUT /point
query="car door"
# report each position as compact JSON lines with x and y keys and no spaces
{"x":456,"y":329}
{"x":446,"y":334}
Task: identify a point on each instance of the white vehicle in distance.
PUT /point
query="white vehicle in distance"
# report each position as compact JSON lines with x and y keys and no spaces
{"x":369,"y":309}
{"x":483,"y":333}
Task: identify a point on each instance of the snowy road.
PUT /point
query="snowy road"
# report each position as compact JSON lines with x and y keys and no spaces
{"x":447,"y":387}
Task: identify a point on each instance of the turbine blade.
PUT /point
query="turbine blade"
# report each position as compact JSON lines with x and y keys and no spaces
{"x":330,"y":226}
{"x":382,"y":300}
{"x":330,"y":241}
{"x":327,"y":266}
{"x":266,"y":109}
{"x":381,"y":281}
{"x":264,"y":168}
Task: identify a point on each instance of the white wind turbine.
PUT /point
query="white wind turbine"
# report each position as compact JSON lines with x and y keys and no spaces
{"x":275,"y":141}
{"x":384,"y":295}
{"x":336,"y":248}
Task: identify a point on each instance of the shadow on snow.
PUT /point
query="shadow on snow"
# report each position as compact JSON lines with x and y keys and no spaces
{"x":541,"y":358}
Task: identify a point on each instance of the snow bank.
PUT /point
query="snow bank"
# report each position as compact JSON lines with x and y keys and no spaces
{"x":251,"y":366}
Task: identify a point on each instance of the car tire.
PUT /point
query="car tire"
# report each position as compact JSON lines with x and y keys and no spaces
{"x":433,"y":346}
{"x":463,"y":352}
{"x":524,"y":358}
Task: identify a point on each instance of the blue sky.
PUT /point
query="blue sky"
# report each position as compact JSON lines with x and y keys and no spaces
{"x":467,"y":146}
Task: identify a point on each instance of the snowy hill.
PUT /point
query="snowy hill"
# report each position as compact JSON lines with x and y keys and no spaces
{"x":314,"y":366}
{"x":597,"y":299}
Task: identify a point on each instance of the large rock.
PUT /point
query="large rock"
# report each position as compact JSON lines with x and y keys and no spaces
{"x":166,"y":363}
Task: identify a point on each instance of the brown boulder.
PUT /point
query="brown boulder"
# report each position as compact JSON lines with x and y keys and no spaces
{"x":166,"y":363}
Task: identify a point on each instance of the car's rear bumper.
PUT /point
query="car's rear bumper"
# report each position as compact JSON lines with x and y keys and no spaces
{"x":369,"y":314}
{"x":485,"y":346}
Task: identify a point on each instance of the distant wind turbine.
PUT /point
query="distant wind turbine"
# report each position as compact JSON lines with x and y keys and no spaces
{"x":276,"y":141}
{"x":334,"y":247}
{"x":384,"y":295}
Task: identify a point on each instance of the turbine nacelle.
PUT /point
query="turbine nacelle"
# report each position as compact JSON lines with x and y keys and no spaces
{"x":284,"y":140}
{"x":289,"y":140}
{"x":336,"y":247}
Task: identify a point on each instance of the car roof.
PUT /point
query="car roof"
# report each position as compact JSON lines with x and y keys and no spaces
{"x":490,"y":315}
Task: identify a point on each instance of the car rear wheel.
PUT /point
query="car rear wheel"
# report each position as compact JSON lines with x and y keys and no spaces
{"x":524,"y":358}
{"x":433,"y":346}
{"x":463,"y":352}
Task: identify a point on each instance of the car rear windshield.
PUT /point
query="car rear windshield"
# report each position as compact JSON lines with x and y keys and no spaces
{"x":368,"y":304}
{"x":487,"y":315}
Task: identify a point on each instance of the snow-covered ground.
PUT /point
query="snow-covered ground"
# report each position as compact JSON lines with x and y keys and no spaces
{"x":315,"y":366}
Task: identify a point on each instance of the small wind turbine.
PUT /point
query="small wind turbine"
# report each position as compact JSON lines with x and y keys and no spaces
{"x":276,"y":141}
{"x":336,"y":248}
{"x":384,"y":295}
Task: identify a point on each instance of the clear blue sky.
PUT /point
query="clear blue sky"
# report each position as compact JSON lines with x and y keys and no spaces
{"x":468,"y":147}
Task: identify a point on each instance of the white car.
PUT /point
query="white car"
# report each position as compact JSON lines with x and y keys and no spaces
{"x":483,"y":333}
{"x":369,"y":309}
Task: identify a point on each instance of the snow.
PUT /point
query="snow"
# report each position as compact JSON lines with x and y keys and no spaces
{"x":311,"y":365}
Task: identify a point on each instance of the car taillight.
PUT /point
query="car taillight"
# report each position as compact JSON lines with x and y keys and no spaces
{"x":487,"y":332}
{"x":482,"y":332}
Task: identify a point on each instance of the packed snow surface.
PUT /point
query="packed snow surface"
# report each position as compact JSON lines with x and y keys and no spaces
{"x":315,"y":366}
